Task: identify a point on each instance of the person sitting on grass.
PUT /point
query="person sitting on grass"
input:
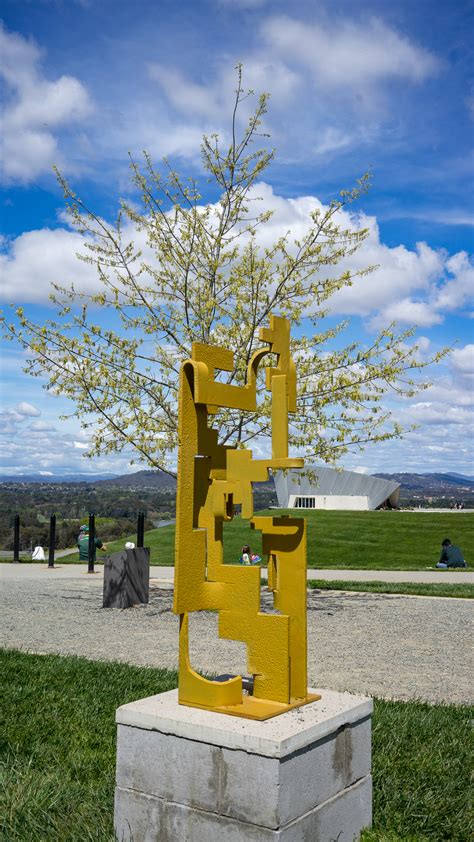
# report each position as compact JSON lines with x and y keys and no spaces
{"x":451,"y":556}
{"x":83,"y":544}
{"x":248,"y":557}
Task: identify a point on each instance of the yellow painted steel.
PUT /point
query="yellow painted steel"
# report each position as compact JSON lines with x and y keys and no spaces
{"x":212,"y":479}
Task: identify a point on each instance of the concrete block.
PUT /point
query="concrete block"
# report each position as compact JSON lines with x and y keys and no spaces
{"x":275,"y":737}
{"x":126,"y":578}
{"x":168,"y":767}
{"x":249,"y":787}
{"x":143,"y":818}
{"x":341,"y":819}
{"x":185,"y":773}
{"x":312,"y":775}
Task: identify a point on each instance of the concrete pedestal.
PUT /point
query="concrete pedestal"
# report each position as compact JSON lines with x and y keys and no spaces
{"x":189,"y":775}
{"x":127,"y":578}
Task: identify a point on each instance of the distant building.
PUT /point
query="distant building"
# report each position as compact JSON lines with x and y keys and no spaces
{"x":335,"y":490}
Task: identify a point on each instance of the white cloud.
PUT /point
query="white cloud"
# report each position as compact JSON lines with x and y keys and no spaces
{"x":185,"y":95}
{"x":42,"y":427}
{"x":331,"y":85}
{"x":459,"y":287}
{"x":242,"y":4}
{"x":462,"y":359}
{"x":36,"y":259}
{"x":11,"y":418}
{"x":350,"y":60}
{"x":411,"y":286}
{"x":427,"y":412}
{"x":26,"y":409}
{"x":349,"y":54}
{"x":210,"y":100}
{"x":408,"y":311}
{"x":36,"y":109}
{"x":441,"y":216}
{"x":48,"y":453}
{"x":451,"y":391}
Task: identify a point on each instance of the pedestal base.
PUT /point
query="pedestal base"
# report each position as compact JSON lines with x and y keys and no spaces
{"x":190,"y":775}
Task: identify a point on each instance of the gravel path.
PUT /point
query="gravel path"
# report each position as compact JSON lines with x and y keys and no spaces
{"x":392,"y":646}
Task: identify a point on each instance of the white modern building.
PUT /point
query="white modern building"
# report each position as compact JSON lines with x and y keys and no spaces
{"x":334,"y":490}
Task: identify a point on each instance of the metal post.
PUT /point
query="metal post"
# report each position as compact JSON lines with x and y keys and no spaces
{"x":90,"y":568}
{"x":140,"y":529}
{"x":52,"y":540}
{"x":16,"y":538}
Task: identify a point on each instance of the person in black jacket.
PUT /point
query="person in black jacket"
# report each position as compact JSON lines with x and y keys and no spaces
{"x":451,"y":556}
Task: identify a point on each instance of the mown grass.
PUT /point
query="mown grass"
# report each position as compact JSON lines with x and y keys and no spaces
{"x":58,"y":743}
{"x":421,"y":773}
{"x":58,"y":754}
{"x":461,"y":591}
{"x":341,"y":540}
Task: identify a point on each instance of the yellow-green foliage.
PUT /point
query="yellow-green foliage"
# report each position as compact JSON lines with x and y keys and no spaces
{"x":205,"y":278}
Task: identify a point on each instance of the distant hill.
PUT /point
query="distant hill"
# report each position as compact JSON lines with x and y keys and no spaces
{"x":90,"y":479}
{"x":432,"y":485}
{"x":450,"y":485}
{"x":460,"y":476}
{"x":155,"y":479}
{"x":140,"y":479}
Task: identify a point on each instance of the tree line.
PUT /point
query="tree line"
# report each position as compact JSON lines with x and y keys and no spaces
{"x":116,"y":511}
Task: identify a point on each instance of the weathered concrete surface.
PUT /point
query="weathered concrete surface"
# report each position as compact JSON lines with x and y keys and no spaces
{"x":190,"y":774}
{"x":278,"y":737}
{"x":127,"y":578}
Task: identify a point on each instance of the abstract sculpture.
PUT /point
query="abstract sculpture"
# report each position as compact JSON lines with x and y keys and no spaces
{"x":212,"y":479}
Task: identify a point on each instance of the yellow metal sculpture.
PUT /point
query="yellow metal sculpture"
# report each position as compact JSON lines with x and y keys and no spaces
{"x":212,"y":479}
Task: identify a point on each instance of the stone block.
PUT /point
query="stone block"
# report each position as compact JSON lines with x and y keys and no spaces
{"x":143,"y":818}
{"x":126,"y":578}
{"x":249,"y":787}
{"x":168,"y":767}
{"x":311,"y":775}
{"x":277,"y":737}
{"x":341,"y":819}
{"x":185,"y":773}
{"x":318,"y":772}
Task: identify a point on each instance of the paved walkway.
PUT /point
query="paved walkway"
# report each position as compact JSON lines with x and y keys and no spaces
{"x":21,"y":571}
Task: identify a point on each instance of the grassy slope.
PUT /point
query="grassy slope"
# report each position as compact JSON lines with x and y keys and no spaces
{"x":58,"y":754}
{"x":461,"y":591}
{"x":345,"y":540}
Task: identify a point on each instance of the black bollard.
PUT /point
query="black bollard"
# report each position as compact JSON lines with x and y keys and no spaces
{"x":140,"y":529}
{"x":52,"y":540}
{"x":16,"y":538}
{"x":90,"y":567}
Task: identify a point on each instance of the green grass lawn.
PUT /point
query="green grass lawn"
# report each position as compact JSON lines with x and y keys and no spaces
{"x":343,"y":540}
{"x":58,"y":754}
{"x":444,"y":589}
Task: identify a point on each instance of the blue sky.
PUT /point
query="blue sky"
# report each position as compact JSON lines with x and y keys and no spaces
{"x":385,"y":85}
